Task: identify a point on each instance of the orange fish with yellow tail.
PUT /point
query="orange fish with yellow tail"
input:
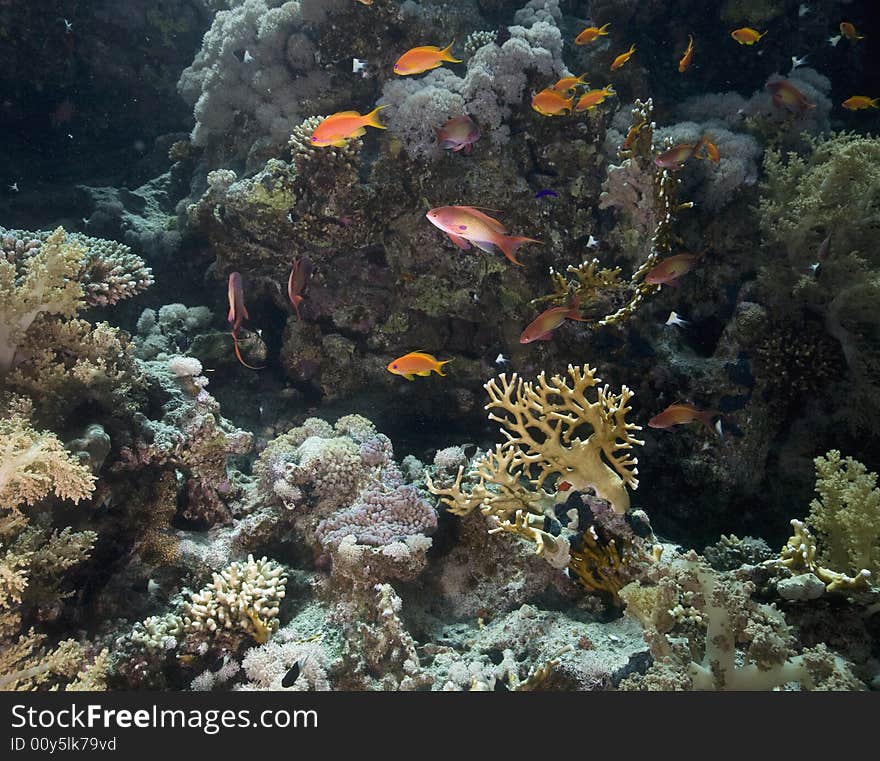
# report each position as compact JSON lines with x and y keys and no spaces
{"x":549,"y":102}
{"x":848,"y":30}
{"x":746,"y":35}
{"x":589,"y":100}
{"x":591,"y":34}
{"x":541,"y":328}
{"x":337,"y":129}
{"x":682,"y":414}
{"x":467,"y":224}
{"x":623,"y":58}
{"x":688,"y":55}
{"x":417,"y":363}
{"x":567,"y":85}
{"x":860,"y":102}
{"x":424,"y":58}
{"x":671,"y":269}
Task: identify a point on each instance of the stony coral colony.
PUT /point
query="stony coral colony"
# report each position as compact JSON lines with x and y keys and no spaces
{"x":148,"y":540}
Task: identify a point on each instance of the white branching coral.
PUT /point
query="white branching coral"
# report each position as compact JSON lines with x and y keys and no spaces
{"x":244,"y":596}
{"x":544,"y":424}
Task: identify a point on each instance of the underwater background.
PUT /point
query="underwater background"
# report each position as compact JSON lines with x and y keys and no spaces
{"x":474,"y":345}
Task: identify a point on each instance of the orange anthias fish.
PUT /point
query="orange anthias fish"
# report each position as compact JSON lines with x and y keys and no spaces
{"x":237,"y":313}
{"x":622,"y":58}
{"x":746,"y":35}
{"x":341,"y":127}
{"x":849,"y":31}
{"x":688,"y":55}
{"x":544,"y":324}
{"x":297,"y":282}
{"x":675,"y":157}
{"x":424,"y":58}
{"x":860,"y":102}
{"x":787,"y":96}
{"x":458,"y":134}
{"x":590,"y":34}
{"x":682,"y":414}
{"x":549,"y":102}
{"x":567,"y":85}
{"x":417,"y":363}
{"x":669,"y":270}
{"x":593,"y":98}
{"x":711,"y":151}
{"x":466,"y":224}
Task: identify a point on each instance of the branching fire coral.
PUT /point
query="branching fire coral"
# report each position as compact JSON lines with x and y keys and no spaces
{"x":541,"y":422}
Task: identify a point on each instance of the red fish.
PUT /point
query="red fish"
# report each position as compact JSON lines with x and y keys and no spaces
{"x":297,"y":282}
{"x":682,"y":414}
{"x":669,"y":270}
{"x":541,"y":328}
{"x":787,"y":96}
{"x":237,"y":313}
{"x":458,"y":134}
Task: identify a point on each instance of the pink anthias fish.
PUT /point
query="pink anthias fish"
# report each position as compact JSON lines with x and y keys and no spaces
{"x":669,"y":270}
{"x":787,"y":96}
{"x":458,"y":134}
{"x":542,"y":327}
{"x":467,"y":224}
{"x":675,"y":157}
{"x":297,"y":282}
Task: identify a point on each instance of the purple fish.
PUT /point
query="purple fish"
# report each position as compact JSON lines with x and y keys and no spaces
{"x":546,"y":192}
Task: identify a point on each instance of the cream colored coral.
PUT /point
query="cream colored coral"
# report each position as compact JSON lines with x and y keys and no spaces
{"x":847,"y":514}
{"x":34,"y":463}
{"x":243,"y":596}
{"x":45,"y":283}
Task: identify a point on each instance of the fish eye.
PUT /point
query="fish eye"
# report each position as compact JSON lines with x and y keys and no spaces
{"x":394,"y":366}
{"x":462,"y":227}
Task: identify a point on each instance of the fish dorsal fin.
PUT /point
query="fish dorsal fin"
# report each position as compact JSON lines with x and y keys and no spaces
{"x":345,"y":113}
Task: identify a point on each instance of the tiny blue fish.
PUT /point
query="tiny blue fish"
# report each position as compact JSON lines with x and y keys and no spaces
{"x":546,"y":192}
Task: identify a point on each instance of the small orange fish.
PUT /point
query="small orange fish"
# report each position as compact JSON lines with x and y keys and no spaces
{"x":669,"y":270}
{"x":297,"y":282}
{"x":422,"y":59}
{"x":746,"y":35}
{"x":416,"y":363}
{"x":590,"y":34}
{"x":548,"y":102}
{"x":849,"y":31}
{"x":711,"y":151}
{"x":632,"y":135}
{"x":682,"y":414}
{"x":467,"y":224}
{"x":787,"y":96}
{"x":674,"y":158}
{"x":860,"y":102}
{"x":339,"y":128}
{"x":567,"y":85}
{"x":544,"y":324}
{"x":622,"y":58}
{"x":593,"y":98}
{"x":688,"y":55}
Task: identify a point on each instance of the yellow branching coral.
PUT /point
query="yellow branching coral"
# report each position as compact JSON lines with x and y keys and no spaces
{"x":552,"y":429}
{"x":598,"y":565}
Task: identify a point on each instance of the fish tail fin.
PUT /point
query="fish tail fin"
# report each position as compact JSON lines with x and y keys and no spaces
{"x":707,"y":417}
{"x":372,"y":118}
{"x":582,"y":79}
{"x":446,"y":54}
{"x":509,"y":245}
{"x":574,"y":309}
{"x":604,"y":27}
{"x":439,"y":368}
